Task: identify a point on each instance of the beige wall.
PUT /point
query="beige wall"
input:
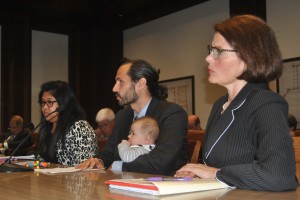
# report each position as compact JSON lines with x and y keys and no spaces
{"x":176,"y":44}
{"x":49,"y":62}
{"x":283,"y":17}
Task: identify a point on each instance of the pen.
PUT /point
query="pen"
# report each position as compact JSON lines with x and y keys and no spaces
{"x":168,"y":179}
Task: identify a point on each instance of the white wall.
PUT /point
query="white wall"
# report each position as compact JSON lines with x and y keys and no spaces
{"x":176,"y":44}
{"x":49,"y":62}
{"x":283,"y":16}
{"x":285,"y":23}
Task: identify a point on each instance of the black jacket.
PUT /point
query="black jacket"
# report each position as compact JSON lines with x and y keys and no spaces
{"x":250,"y":141}
{"x":12,"y":144}
{"x":170,"y":152}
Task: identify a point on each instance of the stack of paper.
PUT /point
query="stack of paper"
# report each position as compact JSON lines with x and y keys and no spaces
{"x":165,"y":187}
{"x":59,"y":170}
{"x":15,"y":158}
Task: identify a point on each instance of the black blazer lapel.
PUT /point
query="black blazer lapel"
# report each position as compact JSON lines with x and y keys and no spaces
{"x":220,"y":123}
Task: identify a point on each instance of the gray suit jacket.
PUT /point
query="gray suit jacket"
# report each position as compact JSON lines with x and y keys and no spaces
{"x":170,"y":152}
{"x":250,"y":141}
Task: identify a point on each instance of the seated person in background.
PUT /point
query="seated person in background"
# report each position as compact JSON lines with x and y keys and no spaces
{"x":17,"y":134}
{"x":4,"y":135}
{"x":142,"y":136}
{"x":105,"y":121}
{"x":247,"y":142}
{"x":292,"y":124}
{"x":65,"y":137}
{"x":138,"y":90}
{"x":29,"y":128}
{"x":194,"y":122}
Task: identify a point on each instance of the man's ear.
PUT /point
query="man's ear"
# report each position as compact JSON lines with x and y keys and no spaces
{"x":142,"y":83}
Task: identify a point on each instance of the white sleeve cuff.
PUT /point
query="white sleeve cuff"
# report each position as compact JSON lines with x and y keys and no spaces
{"x":117,"y":166}
{"x":5,"y":145}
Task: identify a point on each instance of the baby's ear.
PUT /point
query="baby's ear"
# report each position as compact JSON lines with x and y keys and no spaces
{"x":148,"y":139}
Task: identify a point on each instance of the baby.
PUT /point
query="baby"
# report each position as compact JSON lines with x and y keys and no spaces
{"x":143,"y":134}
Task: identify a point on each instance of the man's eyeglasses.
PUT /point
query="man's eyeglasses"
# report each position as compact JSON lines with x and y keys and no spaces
{"x":216,"y":52}
{"x":49,"y":103}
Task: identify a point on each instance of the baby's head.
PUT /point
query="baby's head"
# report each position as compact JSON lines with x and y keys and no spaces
{"x":143,"y":131}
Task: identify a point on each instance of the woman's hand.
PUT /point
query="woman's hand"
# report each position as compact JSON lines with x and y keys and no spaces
{"x":91,"y":163}
{"x":199,"y":170}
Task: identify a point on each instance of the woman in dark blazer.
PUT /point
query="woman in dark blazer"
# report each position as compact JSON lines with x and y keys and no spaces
{"x":247,"y":143}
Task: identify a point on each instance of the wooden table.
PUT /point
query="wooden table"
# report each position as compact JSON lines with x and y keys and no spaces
{"x":90,"y":185}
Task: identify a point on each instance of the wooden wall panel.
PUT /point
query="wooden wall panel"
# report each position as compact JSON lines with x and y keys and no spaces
{"x":16,"y":69}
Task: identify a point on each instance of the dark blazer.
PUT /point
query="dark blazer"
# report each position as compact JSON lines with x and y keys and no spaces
{"x":12,"y":144}
{"x":250,"y":141}
{"x":4,"y":136}
{"x":170,"y":152}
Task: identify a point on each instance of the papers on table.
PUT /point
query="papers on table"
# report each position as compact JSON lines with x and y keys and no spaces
{"x":166,"y":187}
{"x":14,"y":158}
{"x":60,"y":170}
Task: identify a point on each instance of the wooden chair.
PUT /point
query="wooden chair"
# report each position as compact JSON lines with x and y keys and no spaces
{"x":195,"y":138}
{"x":297,"y":132}
{"x":196,"y":135}
{"x":193,"y":150}
{"x":297,"y":155}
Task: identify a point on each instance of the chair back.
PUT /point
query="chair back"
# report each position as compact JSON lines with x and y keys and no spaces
{"x":297,"y":132}
{"x":297,"y":155}
{"x":196,"y":135}
{"x":195,"y":138}
{"x":193,"y":150}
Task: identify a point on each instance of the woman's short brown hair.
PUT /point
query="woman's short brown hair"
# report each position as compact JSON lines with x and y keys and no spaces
{"x":257,"y":46}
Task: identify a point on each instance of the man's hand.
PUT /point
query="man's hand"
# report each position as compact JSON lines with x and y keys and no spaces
{"x":91,"y":163}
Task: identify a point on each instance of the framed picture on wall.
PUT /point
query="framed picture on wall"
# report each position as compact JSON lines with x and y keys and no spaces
{"x":181,"y":91}
{"x":288,"y":85}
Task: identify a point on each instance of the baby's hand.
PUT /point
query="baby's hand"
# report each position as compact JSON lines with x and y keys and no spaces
{"x":125,"y":142}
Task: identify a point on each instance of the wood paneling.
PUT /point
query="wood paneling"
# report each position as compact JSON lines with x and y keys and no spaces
{"x":95,"y":44}
{"x":255,"y":7}
{"x":15,"y":69}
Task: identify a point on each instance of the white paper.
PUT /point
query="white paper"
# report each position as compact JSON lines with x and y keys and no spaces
{"x":31,"y":157}
{"x":62,"y":170}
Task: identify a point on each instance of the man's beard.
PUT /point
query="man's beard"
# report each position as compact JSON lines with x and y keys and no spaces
{"x":129,"y":97}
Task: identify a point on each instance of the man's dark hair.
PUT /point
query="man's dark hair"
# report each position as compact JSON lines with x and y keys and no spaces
{"x":142,"y":69}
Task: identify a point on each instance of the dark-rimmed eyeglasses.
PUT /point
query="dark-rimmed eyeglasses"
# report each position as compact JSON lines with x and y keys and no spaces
{"x":216,"y":52}
{"x":49,"y":103}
